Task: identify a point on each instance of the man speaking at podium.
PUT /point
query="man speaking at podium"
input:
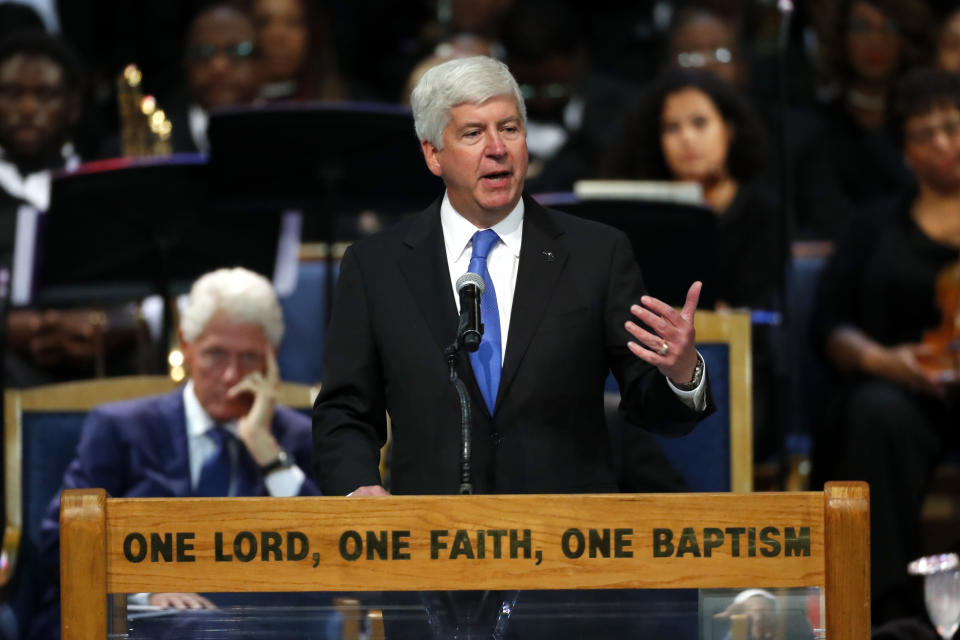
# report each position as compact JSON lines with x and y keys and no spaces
{"x":563,"y":304}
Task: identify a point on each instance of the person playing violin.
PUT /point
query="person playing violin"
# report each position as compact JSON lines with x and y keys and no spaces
{"x":893,"y":410}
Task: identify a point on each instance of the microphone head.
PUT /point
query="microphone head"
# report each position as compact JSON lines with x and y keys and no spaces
{"x":470,"y":278}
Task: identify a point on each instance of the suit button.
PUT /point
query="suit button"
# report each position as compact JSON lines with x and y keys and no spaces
{"x":496,"y":438}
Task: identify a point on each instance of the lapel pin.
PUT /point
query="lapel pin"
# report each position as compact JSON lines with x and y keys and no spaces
{"x":549,"y":256}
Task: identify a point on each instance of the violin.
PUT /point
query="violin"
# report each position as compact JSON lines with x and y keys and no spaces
{"x":942,"y":354}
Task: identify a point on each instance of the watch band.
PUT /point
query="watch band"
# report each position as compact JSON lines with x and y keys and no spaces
{"x":282,"y":461}
{"x":697,"y":377}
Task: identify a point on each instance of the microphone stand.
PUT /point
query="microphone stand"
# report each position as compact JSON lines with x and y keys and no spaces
{"x":466,"y":419}
{"x":466,"y":614}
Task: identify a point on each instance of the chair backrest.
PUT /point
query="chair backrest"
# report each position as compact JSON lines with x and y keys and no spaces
{"x":718,"y":454}
{"x":42,"y":429}
{"x":720,"y":450}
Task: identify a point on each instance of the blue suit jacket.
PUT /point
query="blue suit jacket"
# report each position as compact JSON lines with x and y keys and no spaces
{"x":138,"y":449}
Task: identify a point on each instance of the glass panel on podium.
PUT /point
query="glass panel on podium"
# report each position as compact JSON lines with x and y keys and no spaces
{"x":677,"y":614}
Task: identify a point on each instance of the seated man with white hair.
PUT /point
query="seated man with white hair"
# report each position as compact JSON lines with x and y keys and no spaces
{"x":220,"y":434}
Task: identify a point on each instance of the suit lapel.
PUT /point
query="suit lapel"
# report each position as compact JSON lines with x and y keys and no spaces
{"x":542,"y":258}
{"x":424,"y":265}
{"x":174,"y":420}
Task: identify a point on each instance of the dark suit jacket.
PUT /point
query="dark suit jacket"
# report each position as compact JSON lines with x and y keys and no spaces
{"x":138,"y":449}
{"x":394,"y":313}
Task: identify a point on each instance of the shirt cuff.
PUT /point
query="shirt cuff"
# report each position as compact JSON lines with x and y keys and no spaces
{"x":696,"y":399}
{"x":138,"y":598}
{"x":285,"y":483}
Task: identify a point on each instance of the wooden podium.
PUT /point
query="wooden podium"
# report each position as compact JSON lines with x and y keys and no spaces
{"x":414,"y":543}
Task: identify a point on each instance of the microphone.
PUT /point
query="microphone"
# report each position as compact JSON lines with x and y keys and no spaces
{"x":470,"y":328}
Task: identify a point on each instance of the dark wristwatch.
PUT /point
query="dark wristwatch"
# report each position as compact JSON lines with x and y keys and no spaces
{"x":697,"y":377}
{"x":282,"y":461}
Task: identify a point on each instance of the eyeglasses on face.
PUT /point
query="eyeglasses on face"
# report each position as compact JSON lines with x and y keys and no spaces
{"x":927,"y":134}
{"x":218,"y":358}
{"x":704,"y":57}
{"x":862,"y":26}
{"x":207,"y":52}
{"x":14,"y":92}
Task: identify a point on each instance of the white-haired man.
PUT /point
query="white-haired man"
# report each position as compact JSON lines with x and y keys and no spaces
{"x":561,"y":309}
{"x":221,"y":434}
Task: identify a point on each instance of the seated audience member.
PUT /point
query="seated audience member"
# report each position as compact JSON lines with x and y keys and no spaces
{"x":221,"y":434}
{"x":948,"y":43}
{"x":571,"y":108}
{"x":481,"y":19}
{"x":40,"y":88}
{"x":462,"y":45}
{"x":700,"y":39}
{"x":892,"y":411}
{"x":874,"y":42}
{"x":296,"y":55}
{"x":221,"y":71}
{"x":693,"y":126}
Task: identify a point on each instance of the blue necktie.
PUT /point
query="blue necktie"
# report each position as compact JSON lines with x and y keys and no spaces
{"x":217,"y":470}
{"x":486,"y":360}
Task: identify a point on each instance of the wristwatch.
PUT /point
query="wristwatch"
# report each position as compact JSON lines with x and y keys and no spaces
{"x":697,"y":377}
{"x":282,"y":461}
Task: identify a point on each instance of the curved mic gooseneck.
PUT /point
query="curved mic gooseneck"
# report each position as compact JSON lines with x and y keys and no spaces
{"x":469,"y":333}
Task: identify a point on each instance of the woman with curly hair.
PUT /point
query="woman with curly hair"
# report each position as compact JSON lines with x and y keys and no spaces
{"x":692,"y":126}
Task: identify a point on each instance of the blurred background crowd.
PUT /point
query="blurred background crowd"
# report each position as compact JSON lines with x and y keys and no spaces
{"x":827,"y":132}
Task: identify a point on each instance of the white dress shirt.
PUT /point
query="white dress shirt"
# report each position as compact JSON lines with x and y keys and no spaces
{"x":502,"y":263}
{"x":33,"y":188}
{"x":197,"y":120}
{"x":281,"y":483}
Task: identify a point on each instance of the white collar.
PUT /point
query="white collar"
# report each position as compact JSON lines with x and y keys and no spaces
{"x":198,"y":420}
{"x":458,"y":231}
{"x":34,"y":188}
{"x":198,"y":119}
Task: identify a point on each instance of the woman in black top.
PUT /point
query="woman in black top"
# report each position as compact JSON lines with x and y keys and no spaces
{"x":891,"y":413}
{"x":692,"y":126}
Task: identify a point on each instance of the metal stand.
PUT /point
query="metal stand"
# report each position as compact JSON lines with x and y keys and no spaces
{"x":466,"y":420}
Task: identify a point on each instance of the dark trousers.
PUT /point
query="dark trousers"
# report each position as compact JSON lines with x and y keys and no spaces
{"x":893,"y":438}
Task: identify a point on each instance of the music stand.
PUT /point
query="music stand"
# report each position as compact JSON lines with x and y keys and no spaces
{"x":121,"y":230}
{"x":328,"y":158}
{"x":674,"y":243}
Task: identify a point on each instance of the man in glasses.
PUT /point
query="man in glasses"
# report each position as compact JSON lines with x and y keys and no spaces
{"x":220,"y":70}
{"x":221,"y":434}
